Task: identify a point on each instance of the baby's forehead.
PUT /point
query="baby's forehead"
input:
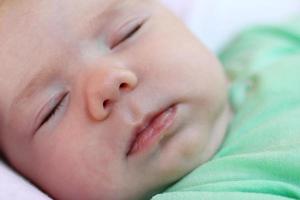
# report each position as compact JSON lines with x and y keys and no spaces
{"x":73,"y":3}
{"x":22,"y":29}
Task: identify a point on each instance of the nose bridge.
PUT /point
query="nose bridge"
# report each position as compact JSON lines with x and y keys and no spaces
{"x":105,"y":85}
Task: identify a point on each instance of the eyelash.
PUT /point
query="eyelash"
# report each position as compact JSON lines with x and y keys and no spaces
{"x":54,"y":110}
{"x":128,"y":35}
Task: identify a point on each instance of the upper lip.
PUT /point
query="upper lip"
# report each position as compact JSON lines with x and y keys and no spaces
{"x":140,"y":127}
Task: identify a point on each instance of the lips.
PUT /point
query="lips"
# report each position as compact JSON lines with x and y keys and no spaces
{"x":153,"y":127}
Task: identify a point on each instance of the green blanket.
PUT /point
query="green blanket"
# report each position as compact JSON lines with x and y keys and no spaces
{"x":260,"y":157}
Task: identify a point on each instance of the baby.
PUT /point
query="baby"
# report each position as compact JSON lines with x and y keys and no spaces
{"x":106,"y":99}
{"x":117,"y":100}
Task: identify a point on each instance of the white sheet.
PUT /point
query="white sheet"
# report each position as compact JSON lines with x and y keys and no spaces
{"x":14,"y":187}
{"x":214,"y":22}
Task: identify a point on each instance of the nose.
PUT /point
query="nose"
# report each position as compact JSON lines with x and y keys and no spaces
{"x":104,"y":88}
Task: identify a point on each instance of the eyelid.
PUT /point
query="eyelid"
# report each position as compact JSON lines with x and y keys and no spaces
{"x":124,"y":29}
{"x":48,"y":107}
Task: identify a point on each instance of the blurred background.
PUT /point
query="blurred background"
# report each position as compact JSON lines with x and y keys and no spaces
{"x":215,"y":22}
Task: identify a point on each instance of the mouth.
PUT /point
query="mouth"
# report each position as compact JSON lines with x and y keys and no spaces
{"x":153,"y":128}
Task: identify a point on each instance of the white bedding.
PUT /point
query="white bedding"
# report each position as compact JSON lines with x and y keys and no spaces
{"x":14,"y":187}
{"x":214,"y":21}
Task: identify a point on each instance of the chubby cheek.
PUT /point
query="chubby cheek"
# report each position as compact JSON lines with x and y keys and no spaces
{"x":76,"y":167}
{"x":77,"y":175}
{"x":173,"y":58}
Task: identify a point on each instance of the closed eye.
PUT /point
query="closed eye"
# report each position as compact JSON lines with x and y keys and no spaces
{"x":58,"y":104}
{"x":126,"y":35}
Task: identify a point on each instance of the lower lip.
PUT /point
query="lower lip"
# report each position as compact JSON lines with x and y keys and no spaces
{"x":154,"y":131}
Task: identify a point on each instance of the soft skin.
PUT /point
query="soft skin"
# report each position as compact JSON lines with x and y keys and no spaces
{"x":80,"y":55}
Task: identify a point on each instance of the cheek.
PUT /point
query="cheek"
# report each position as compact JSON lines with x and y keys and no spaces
{"x":77,"y":173}
{"x":75,"y":165}
{"x":90,"y":150}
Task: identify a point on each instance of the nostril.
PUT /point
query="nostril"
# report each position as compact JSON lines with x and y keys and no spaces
{"x":124,"y":86}
{"x":106,"y":103}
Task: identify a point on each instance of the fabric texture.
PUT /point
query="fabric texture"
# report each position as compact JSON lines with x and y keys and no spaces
{"x":260,"y":157}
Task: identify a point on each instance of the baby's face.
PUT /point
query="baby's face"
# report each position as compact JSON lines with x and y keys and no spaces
{"x":81,"y":79}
